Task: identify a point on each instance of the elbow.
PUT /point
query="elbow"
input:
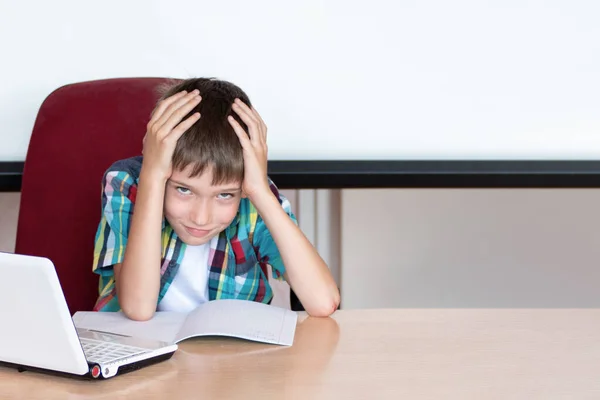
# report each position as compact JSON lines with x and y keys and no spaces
{"x":136,"y":308}
{"x":138,"y":313}
{"x":324,"y":310}
{"x":326,"y":307}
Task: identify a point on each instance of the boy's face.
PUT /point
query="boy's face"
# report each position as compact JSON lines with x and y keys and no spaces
{"x":196,"y":209}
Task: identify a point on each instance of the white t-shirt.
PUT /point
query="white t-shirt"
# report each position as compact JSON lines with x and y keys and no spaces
{"x":189,"y":288}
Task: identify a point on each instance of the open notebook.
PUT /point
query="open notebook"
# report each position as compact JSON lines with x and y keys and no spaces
{"x":236,"y":318}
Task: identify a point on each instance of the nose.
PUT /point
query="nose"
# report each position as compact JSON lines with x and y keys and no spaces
{"x":201,"y":213}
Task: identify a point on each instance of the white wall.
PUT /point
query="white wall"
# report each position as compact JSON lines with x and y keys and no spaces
{"x":335,"y":79}
{"x":470,"y":248}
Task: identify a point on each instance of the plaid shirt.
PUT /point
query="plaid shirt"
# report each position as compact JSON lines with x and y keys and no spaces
{"x":237,"y":265}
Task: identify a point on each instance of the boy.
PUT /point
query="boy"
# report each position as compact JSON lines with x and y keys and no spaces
{"x":195,"y":218}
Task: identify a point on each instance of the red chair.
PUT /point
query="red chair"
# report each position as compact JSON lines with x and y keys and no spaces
{"x":80,"y":130}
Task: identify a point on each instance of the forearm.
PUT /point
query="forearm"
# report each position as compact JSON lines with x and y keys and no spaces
{"x":306,"y":272}
{"x":138,"y":282}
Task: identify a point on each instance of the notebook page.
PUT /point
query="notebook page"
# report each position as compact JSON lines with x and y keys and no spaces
{"x":163,"y":326}
{"x":242,"y":319}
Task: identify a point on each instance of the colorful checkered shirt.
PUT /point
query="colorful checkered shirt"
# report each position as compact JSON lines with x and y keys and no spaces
{"x":238,"y":265}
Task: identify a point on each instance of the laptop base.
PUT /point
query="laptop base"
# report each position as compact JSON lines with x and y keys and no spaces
{"x":123,"y":369}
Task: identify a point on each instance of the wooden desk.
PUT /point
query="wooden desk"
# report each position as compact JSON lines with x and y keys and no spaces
{"x":369,"y":354}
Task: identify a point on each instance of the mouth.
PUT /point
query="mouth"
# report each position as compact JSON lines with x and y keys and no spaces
{"x":199,"y":233}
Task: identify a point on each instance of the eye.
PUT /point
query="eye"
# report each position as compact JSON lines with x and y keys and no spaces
{"x":183,"y":190}
{"x":225,"y":195}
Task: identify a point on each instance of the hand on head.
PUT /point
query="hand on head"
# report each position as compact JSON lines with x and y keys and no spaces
{"x":165,"y":128}
{"x":254,"y":145}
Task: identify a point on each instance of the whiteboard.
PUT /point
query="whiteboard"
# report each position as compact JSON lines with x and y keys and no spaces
{"x":355,"y":80}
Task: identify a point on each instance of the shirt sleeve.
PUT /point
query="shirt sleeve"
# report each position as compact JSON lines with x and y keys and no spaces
{"x":264,"y":244}
{"x":118,"y":197}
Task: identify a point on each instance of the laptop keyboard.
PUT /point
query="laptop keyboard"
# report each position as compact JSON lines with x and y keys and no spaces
{"x":97,"y":351}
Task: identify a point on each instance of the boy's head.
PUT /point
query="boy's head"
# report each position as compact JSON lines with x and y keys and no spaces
{"x":202,"y":197}
{"x":211,"y":141}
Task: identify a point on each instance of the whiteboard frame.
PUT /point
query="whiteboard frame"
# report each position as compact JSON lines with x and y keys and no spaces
{"x":406,"y":174}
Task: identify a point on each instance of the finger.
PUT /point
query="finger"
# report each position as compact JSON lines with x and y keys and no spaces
{"x":176,"y":105}
{"x":182,"y":128}
{"x":240,"y":132}
{"x":245,"y":115}
{"x":162,"y":106}
{"x":245,"y":109}
{"x":265,"y":148}
{"x":263,"y":126}
{"x":177,"y":115}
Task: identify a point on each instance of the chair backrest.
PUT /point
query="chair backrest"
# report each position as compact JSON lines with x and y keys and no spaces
{"x":80,"y":130}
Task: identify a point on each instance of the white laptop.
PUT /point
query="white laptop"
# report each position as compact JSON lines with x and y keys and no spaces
{"x":38,"y":334}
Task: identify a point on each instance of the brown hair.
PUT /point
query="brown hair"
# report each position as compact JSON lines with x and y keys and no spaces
{"x":211,"y":141}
